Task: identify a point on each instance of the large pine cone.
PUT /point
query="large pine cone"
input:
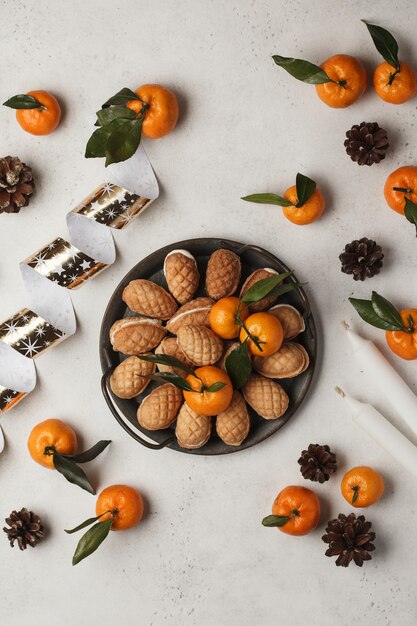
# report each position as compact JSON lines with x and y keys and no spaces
{"x":25,"y":527}
{"x":16,"y":184}
{"x":366,"y":143}
{"x":349,"y":538}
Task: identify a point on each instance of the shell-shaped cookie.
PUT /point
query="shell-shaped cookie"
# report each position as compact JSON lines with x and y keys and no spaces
{"x":288,"y":362}
{"x":147,"y":298}
{"x":291,"y":320}
{"x":265,"y":396}
{"x":129,"y":378}
{"x":192,"y":430}
{"x":195,"y":312}
{"x":182,"y":275}
{"x":160,"y":408}
{"x":253,"y":278}
{"x":223,"y":274}
{"x":170,"y":347}
{"x":306,"y":357}
{"x":233,"y":425}
{"x":200,"y":344}
{"x":136,"y":335}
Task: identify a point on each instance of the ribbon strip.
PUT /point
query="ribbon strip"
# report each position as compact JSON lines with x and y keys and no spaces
{"x":59,"y":266}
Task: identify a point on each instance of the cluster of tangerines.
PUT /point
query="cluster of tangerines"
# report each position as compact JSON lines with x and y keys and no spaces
{"x":53,"y":444}
{"x":296,"y":509}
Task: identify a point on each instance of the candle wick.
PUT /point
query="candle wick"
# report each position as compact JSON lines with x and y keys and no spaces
{"x":345,"y":325}
{"x":340,"y":391}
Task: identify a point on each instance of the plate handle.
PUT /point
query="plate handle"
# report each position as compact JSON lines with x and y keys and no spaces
{"x":132,"y":433}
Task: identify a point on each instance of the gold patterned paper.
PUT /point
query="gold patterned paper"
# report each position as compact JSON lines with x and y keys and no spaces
{"x":112,"y":206}
{"x":64,"y":264}
{"x":29,"y":334}
{"x":9,"y":398}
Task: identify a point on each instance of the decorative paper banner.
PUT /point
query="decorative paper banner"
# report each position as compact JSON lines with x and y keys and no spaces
{"x":59,"y":266}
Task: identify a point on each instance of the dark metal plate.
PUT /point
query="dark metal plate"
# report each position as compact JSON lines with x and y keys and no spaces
{"x":151,"y":268}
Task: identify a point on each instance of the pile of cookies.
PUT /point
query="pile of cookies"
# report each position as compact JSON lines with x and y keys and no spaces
{"x":174,"y":323}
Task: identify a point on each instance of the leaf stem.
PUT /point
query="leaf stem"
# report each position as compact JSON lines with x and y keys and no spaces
{"x":392,"y":76}
{"x":49,"y":451}
{"x":403,"y":189}
{"x":342,"y":83}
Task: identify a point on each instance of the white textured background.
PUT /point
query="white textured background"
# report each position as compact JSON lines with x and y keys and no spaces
{"x":201,"y":556}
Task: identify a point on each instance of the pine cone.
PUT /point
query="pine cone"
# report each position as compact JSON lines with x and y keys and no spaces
{"x":25,"y":528}
{"x":366,"y":143}
{"x":317,"y":463}
{"x":16,"y":184}
{"x":362,"y":258}
{"x":349,"y":538}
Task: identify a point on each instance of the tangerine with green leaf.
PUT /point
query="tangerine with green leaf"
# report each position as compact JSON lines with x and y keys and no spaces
{"x":264,"y":334}
{"x":295,"y":511}
{"x":212,"y":391}
{"x":301,"y":204}
{"x":394,"y":81}
{"x":362,"y":486}
{"x":404,"y":342}
{"x":400,"y":326}
{"x":339,"y":81}
{"x":121,"y":503}
{"x":37,"y":112}
{"x":399,"y":186}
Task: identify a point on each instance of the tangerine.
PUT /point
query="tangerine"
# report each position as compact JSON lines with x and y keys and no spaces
{"x":404,"y":342}
{"x":264,"y":334}
{"x":362,"y":486}
{"x":302,"y":508}
{"x":308,"y":212}
{"x":124,"y":503}
{"x":395,"y":87}
{"x":349,"y":78}
{"x":224,"y":317}
{"x":50,"y":435}
{"x":161,"y":110}
{"x":400,"y":184}
{"x":205,"y":402}
{"x":41,"y":120}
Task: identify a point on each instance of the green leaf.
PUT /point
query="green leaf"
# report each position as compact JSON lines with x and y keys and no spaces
{"x":305,"y":188}
{"x":165,"y":359}
{"x":355,"y":490}
{"x":105,"y":116}
{"x":386,"y":311}
{"x":267,"y":198}
{"x":96,"y":145}
{"x":22,"y":101}
{"x":410,"y":212}
{"x":91,"y":540}
{"x":275,"y":520}
{"x":303,"y":70}
{"x":263,"y":288}
{"x":88,"y":455}
{"x":215,"y":387}
{"x":123,"y":141}
{"x":281,"y":289}
{"x":367,"y":313}
{"x":176,"y":380}
{"x":87,"y":522}
{"x":121,"y":97}
{"x":384,"y":43}
{"x":239,"y":366}
{"x":72,"y":472}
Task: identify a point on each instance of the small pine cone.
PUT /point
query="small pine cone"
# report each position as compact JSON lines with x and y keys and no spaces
{"x":16,"y":184}
{"x":349,"y":538}
{"x":317,"y":463}
{"x":25,"y":528}
{"x":366,"y":143}
{"x":362,"y":258}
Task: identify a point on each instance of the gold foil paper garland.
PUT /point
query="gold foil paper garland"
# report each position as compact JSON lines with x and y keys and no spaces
{"x":60,"y":266}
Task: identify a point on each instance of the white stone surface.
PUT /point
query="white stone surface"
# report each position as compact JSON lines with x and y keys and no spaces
{"x":201,"y":555}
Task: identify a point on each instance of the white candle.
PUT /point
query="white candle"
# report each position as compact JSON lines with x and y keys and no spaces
{"x":376,"y":367}
{"x":384,"y":433}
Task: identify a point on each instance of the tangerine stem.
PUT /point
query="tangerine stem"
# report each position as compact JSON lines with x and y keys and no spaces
{"x":402,"y":189}
{"x":391,"y":77}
